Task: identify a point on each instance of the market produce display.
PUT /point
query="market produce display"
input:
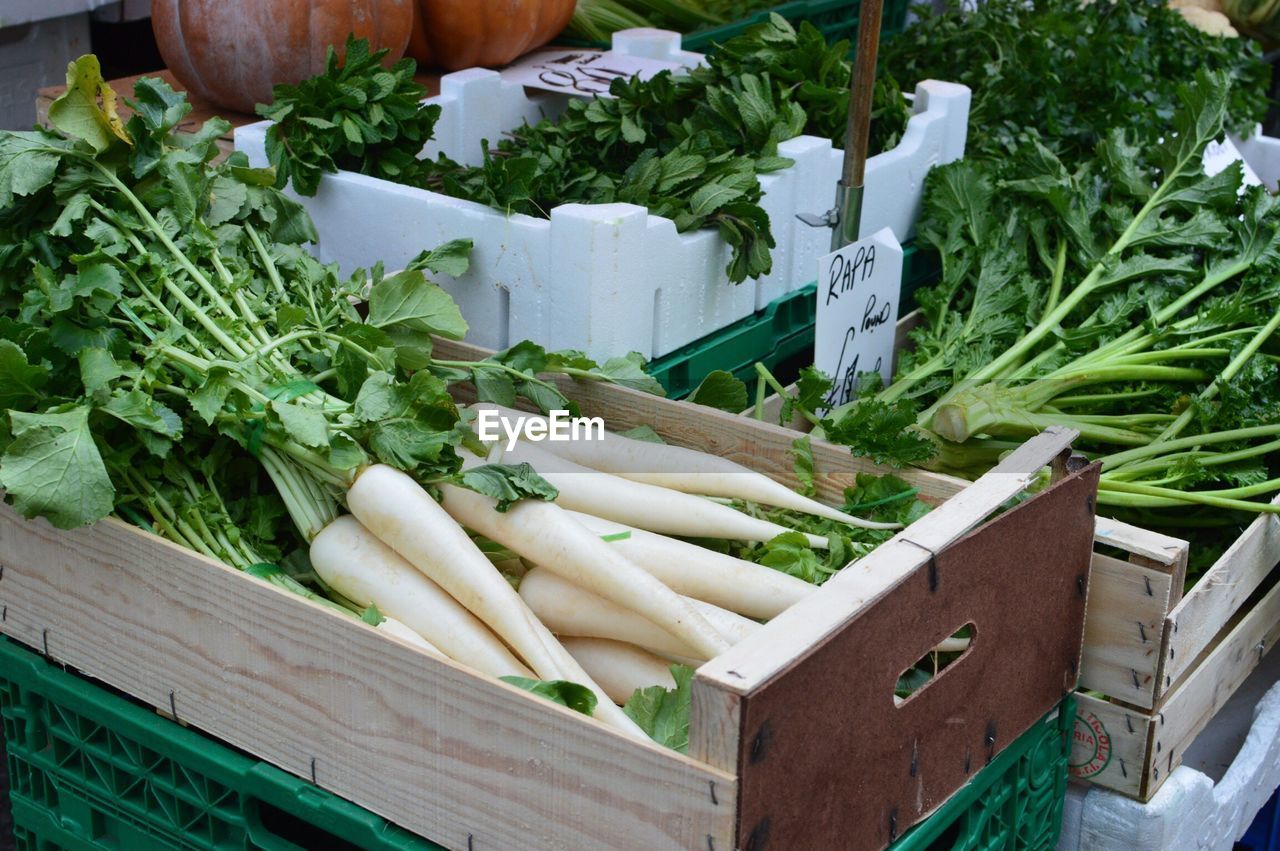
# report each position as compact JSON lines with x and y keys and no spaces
{"x":1088,"y":391}
{"x":174,"y":357}
{"x":689,"y":146}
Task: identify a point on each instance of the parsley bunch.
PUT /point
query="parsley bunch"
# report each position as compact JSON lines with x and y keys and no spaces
{"x":1064,"y":73}
{"x":688,"y":146}
{"x":355,"y":116}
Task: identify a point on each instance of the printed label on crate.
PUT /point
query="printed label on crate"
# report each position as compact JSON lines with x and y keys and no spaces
{"x":1090,"y":747}
{"x":858,"y":294}
{"x":582,"y":72}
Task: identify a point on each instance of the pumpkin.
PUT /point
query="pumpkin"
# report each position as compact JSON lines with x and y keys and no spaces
{"x":231,"y":52}
{"x":455,"y":34}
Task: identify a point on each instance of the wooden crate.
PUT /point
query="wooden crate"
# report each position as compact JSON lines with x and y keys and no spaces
{"x":796,"y":740}
{"x":1166,"y":661}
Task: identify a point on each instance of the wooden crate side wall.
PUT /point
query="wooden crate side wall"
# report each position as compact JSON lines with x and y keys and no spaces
{"x":459,"y":758}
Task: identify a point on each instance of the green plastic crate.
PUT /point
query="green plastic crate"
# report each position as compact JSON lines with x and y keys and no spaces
{"x":836,"y":19}
{"x":1014,"y":803}
{"x":89,"y":769}
{"x":780,"y":336}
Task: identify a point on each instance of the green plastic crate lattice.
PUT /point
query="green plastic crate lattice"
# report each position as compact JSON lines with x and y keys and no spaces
{"x":1013,"y":804}
{"x":835,"y":19}
{"x":92,"y":770}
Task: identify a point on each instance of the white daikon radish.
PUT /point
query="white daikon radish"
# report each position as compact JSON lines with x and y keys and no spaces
{"x":732,"y":583}
{"x":681,"y":469}
{"x":952,"y":645}
{"x":619,"y":668}
{"x":569,"y":609}
{"x":545,"y":534}
{"x":396,"y":629}
{"x":644,"y":506}
{"x":360,"y":567}
{"x":402,"y":515}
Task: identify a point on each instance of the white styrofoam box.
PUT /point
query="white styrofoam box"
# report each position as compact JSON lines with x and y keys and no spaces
{"x":1210,"y":800}
{"x":1262,"y":153}
{"x":34,"y":54}
{"x":894,"y":181}
{"x":610,"y":278}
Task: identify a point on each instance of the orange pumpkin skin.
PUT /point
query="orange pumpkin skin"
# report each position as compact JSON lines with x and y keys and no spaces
{"x":456,"y":34}
{"x":231,"y":52}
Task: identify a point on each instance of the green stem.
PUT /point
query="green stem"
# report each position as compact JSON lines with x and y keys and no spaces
{"x":159,"y":305}
{"x":1167,"y":313}
{"x":273,"y":274}
{"x":1098,"y":398}
{"x":1203,"y":457}
{"x":1172,"y":498}
{"x":773,"y":382}
{"x":1228,"y":372}
{"x":164,"y":239}
{"x":1032,"y":424}
{"x":1174,"y":353}
{"x":1119,"y":459}
{"x":905,"y":382}
{"x":1059,"y":271}
{"x":295,"y":498}
{"x":1084,"y":374}
{"x":232,"y":347}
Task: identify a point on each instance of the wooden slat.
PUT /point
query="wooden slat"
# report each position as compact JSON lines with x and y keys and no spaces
{"x":714,"y":725}
{"x":761,"y":446}
{"x":751,"y":662}
{"x":1164,"y":550}
{"x":1109,"y":745}
{"x":1218,"y":596}
{"x":1191,"y":705}
{"x":464,"y":760}
{"x":1123,"y":628}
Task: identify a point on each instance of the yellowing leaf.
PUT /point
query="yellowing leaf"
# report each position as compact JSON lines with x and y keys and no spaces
{"x":87,"y":109}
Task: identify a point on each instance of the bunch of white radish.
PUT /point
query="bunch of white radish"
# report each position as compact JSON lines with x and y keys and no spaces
{"x":608,"y":600}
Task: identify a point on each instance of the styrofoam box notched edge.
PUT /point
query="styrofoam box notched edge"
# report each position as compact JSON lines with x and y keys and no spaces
{"x":609,"y":279}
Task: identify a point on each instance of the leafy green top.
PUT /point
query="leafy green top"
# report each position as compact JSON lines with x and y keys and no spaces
{"x":154,"y":307}
{"x":355,"y":116}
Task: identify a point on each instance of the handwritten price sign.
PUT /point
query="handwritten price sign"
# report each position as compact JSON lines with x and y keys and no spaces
{"x":586,"y":73}
{"x":858,"y":292}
